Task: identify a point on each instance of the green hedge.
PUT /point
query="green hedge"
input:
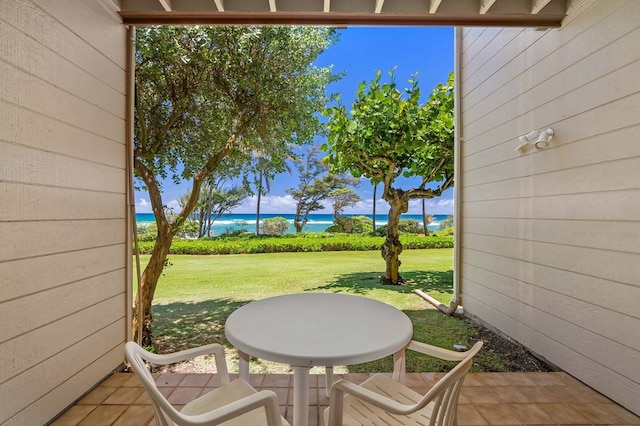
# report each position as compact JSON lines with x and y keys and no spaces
{"x":309,"y":242}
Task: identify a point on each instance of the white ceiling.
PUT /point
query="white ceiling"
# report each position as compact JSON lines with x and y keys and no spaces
{"x":533,"y":13}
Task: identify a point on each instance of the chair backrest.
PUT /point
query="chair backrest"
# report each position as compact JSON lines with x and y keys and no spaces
{"x":444,"y":394}
{"x":165,"y":413}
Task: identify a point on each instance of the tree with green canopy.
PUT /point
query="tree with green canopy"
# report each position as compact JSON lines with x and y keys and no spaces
{"x":216,"y":198}
{"x":206,"y":98}
{"x":314,"y":185}
{"x":389,"y":133}
{"x":342,"y":198}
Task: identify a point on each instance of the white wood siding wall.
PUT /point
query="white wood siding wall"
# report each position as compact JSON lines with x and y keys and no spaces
{"x":62,"y":203}
{"x":551,"y":239}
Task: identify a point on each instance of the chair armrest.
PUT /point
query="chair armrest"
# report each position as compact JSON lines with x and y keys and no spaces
{"x":430,"y":350}
{"x":436,"y":352}
{"x":343,"y":386}
{"x":265,"y":398}
{"x":172,"y":358}
{"x":214,"y":348}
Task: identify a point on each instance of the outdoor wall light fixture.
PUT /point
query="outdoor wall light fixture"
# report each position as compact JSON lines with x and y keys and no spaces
{"x":536,"y":138}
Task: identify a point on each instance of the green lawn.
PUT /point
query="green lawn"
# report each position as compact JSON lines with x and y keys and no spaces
{"x":197,"y":293}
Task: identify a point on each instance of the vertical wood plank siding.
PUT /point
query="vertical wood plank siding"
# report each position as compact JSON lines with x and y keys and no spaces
{"x":62,"y":203}
{"x":551,"y":238}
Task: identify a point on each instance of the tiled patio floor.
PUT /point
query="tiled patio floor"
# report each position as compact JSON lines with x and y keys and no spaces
{"x":486,"y":399}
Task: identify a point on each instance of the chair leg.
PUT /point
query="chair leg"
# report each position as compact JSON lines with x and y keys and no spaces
{"x":243,"y":366}
{"x":328,"y":378}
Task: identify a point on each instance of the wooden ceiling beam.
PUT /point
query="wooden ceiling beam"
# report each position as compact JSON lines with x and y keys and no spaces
{"x":434,"y":5}
{"x":485,"y":5}
{"x":166,"y":5}
{"x":338,"y":19}
{"x":538,"y":5}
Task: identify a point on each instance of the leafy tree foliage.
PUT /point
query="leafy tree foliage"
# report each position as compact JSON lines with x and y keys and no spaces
{"x":215,"y":200}
{"x":264,"y":170}
{"x":275,"y":226}
{"x":389,"y":133}
{"x":342,"y":198}
{"x":352,"y":225}
{"x":205,"y":99}
{"x":314,"y":186}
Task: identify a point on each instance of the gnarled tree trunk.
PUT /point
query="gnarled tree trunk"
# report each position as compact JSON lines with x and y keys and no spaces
{"x":148,"y":283}
{"x":399,"y":203}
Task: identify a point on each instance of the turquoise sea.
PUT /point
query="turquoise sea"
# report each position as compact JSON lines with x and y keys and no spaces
{"x":317,"y":222}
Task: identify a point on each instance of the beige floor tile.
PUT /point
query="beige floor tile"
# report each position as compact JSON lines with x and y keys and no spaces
{"x":521,"y":379}
{"x":283,"y":395}
{"x":313,"y":415}
{"x":313,"y":396}
{"x":468,"y":415}
{"x":627,"y":417}
{"x":530,"y":414}
{"x":544,"y":379}
{"x":356,"y":378}
{"x":497,"y":414}
{"x":323,"y":399}
{"x":415,"y":380}
{"x":184,"y":395}
{"x":256,"y":380}
{"x":117,"y":379}
{"x":463,"y":399}
{"x":538,"y":394}
{"x":134,"y":381}
{"x":596,"y":415}
{"x":74,"y":415}
{"x":576,"y":394}
{"x":123,"y":395}
{"x":169,"y":379}
{"x":196,"y":380}
{"x":509,"y":394}
{"x":289,"y":414}
{"x":494,"y":379}
{"x":479,"y":395}
{"x":214,"y":381}
{"x":98,"y":395}
{"x":277,"y":381}
{"x":144,"y":397}
{"x":316,"y":380}
{"x":563,"y":414}
{"x":432,"y":378}
{"x":103,"y":415}
{"x":566,"y":379}
{"x":555,"y":398}
{"x":135,"y":415}
{"x":586,"y":394}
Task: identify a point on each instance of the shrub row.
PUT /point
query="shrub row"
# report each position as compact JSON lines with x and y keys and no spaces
{"x":295,"y":243}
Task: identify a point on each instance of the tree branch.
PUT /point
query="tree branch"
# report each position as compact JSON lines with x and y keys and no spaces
{"x":148,"y":177}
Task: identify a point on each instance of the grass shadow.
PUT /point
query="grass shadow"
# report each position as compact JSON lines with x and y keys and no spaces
{"x":182,"y":325}
{"x":363,"y":282}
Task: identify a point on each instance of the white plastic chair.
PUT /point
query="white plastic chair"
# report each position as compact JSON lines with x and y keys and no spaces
{"x":233,"y":403}
{"x":384,"y":400}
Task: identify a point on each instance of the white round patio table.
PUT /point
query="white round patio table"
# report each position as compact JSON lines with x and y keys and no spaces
{"x":316,"y":329}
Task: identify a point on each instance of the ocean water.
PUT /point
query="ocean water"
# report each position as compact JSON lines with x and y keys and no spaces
{"x":316,"y":223}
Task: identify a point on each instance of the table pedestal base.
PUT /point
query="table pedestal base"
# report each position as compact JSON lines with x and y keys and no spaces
{"x":300,"y":396}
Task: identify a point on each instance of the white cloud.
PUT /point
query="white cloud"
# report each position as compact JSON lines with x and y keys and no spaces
{"x":143,"y":206}
{"x":268,"y":204}
{"x":433,"y":206}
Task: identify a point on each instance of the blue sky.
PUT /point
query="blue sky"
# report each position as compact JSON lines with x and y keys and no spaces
{"x":360,"y":52}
